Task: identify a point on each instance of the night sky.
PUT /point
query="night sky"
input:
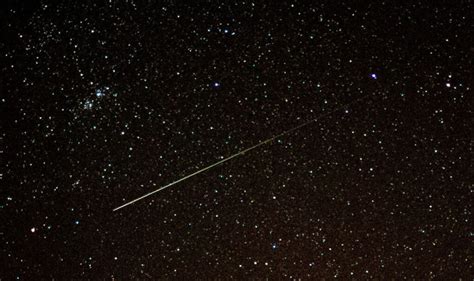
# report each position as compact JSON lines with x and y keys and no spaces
{"x":103,"y":103}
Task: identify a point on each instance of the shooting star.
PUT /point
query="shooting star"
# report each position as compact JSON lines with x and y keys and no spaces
{"x":242,"y":152}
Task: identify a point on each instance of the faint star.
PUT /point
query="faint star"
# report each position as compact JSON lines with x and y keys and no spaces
{"x":88,"y":104}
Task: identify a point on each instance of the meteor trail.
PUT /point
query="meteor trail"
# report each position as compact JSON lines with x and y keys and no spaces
{"x":239,"y":153}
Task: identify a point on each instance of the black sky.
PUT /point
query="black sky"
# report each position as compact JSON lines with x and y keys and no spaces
{"x":102,"y":103}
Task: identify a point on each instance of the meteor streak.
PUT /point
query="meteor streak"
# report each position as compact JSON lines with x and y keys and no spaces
{"x":242,"y":152}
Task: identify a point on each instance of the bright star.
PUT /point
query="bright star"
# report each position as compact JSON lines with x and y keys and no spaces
{"x":99,"y":93}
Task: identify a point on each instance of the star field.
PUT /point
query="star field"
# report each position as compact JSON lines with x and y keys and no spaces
{"x":104,"y":102}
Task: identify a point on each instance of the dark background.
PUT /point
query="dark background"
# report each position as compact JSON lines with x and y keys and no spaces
{"x":104,"y":102}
